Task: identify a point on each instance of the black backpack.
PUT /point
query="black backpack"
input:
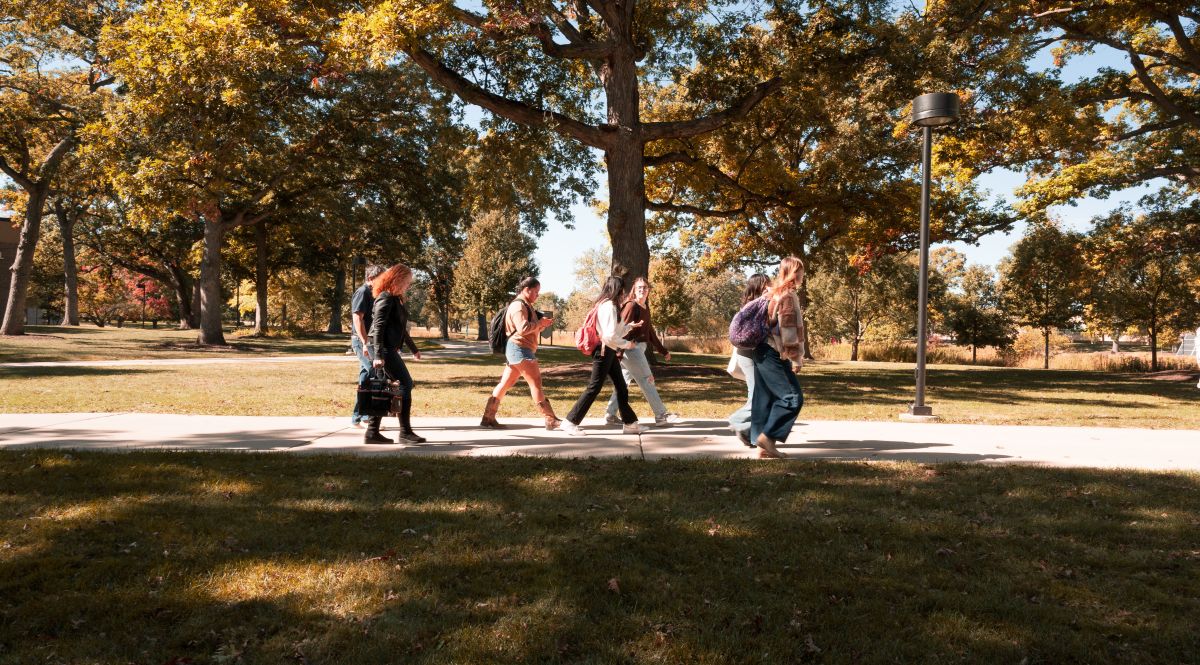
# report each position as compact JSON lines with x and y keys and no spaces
{"x":498,"y":332}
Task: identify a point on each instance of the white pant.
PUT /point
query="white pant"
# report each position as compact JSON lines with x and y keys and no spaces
{"x":636,"y":368}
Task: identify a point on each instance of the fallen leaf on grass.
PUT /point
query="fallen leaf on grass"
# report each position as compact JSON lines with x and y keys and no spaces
{"x":614,"y":585}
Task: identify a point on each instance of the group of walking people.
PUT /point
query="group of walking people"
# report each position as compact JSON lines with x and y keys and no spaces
{"x":616,"y":334}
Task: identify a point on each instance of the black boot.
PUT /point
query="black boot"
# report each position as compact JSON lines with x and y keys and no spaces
{"x":406,"y":430}
{"x":372,"y":435}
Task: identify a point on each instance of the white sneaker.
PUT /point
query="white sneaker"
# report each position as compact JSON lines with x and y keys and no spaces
{"x":571,"y":428}
{"x":633,"y":428}
{"x":612,"y":420}
{"x":667,"y":419}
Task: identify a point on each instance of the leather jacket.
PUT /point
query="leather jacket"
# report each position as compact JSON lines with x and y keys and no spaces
{"x":389,"y":326}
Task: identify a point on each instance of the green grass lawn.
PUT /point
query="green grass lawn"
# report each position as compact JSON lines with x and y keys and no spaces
{"x":234,"y":558}
{"x":693,"y":385}
{"x":62,"y":343}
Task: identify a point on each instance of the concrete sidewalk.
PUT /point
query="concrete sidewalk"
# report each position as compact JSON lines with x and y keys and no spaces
{"x":841,"y":440}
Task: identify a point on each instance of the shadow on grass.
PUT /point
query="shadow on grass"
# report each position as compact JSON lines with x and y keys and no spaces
{"x":43,"y":372}
{"x":161,"y":557}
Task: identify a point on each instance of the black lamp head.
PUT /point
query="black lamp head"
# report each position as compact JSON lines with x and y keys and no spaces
{"x":935,"y":109}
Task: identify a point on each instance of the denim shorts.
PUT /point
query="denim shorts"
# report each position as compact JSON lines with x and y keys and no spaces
{"x":514,"y":353}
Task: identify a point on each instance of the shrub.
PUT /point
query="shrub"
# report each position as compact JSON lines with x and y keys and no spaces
{"x":1030,"y":344}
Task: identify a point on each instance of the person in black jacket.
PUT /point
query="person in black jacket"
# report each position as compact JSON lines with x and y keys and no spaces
{"x":389,"y":331}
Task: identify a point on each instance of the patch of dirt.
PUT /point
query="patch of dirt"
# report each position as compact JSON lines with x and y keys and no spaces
{"x":667,"y":371}
{"x":192,"y":346}
{"x":1173,"y":375}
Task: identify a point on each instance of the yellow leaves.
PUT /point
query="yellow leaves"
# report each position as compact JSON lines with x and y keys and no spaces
{"x":377,"y":32}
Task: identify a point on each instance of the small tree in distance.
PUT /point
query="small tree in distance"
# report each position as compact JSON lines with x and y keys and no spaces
{"x":496,"y":256}
{"x":1040,"y":282}
{"x":670,"y":302}
{"x":975,"y":316}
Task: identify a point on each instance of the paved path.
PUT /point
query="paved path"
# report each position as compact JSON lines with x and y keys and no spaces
{"x":453,"y":349}
{"x":843,"y":440}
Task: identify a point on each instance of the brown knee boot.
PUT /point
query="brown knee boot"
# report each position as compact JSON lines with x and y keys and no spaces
{"x":552,"y":421}
{"x":489,"y":414}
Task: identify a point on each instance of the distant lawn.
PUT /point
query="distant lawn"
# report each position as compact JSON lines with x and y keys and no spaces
{"x":693,"y":385}
{"x":87,"y":342}
{"x":220,"y":558}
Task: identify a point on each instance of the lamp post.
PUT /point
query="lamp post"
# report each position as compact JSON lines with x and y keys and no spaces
{"x":936,"y":109}
{"x":142,"y":286}
{"x":360,"y":263}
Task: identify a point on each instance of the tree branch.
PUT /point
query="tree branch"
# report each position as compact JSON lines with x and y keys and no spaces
{"x":17,"y":177}
{"x":1151,"y":127}
{"x":1159,"y":95}
{"x":679,"y":157}
{"x":1182,"y":39}
{"x":56,"y":156}
{"x":574,"y":51}
{"x":657,"y":206}
{"x":506,"y":108}
{"x":578,"y":49}
{"x":654,"y":131}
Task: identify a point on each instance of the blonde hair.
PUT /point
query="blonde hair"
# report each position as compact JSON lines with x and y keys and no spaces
{"x":633,"y":285}
{"x":791,"y":274}
{"x":394,"y":280}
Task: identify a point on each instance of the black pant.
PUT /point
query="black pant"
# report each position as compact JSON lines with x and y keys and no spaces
{"x":604,"y":364}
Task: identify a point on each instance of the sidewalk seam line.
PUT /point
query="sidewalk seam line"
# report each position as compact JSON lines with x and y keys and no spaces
{"x":69,"y":422}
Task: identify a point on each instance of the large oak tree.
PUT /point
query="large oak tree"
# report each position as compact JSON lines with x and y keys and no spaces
{"x":579,"y":69}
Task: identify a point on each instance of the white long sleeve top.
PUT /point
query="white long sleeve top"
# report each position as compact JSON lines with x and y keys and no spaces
{"x":610,"y":326}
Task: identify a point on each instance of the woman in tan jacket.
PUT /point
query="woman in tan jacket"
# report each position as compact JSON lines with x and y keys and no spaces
{"x":523,"y":324}
{"x":777,"y":395}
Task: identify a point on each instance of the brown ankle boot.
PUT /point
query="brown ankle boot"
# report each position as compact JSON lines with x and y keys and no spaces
{"x":552,"y":421}
{"x":489,"y":414}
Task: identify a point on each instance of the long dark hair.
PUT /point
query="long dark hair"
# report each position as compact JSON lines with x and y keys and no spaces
{"x":528,"y":283}
{"x":755,"y":287}
{"x":613,"y":289}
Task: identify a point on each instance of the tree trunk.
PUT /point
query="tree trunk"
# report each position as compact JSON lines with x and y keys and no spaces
{"x":14,"y":311}
{"x":182,"y":284}
{"x":1116,"y":342}
{"x":481,"y":321}
{"x":974,"y":339}
{"x":66,"y":228}
{"x":444,"y":322}
{"x":625,"y":160}
{"x":857,"y":336}
{"x":804,"y":318}
{"x":339,"y":294}
{"x":196,"y":304}
{"x":1046,"y":355}
{"x":261,"y":277}
{"x":1154,"y":344}
{"x":211,"y":305}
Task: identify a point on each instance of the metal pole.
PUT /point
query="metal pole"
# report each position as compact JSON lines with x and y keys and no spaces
{"x":918,"y":407}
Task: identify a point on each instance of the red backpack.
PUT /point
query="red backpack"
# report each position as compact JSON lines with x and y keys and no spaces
{"x":587,"y":338}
